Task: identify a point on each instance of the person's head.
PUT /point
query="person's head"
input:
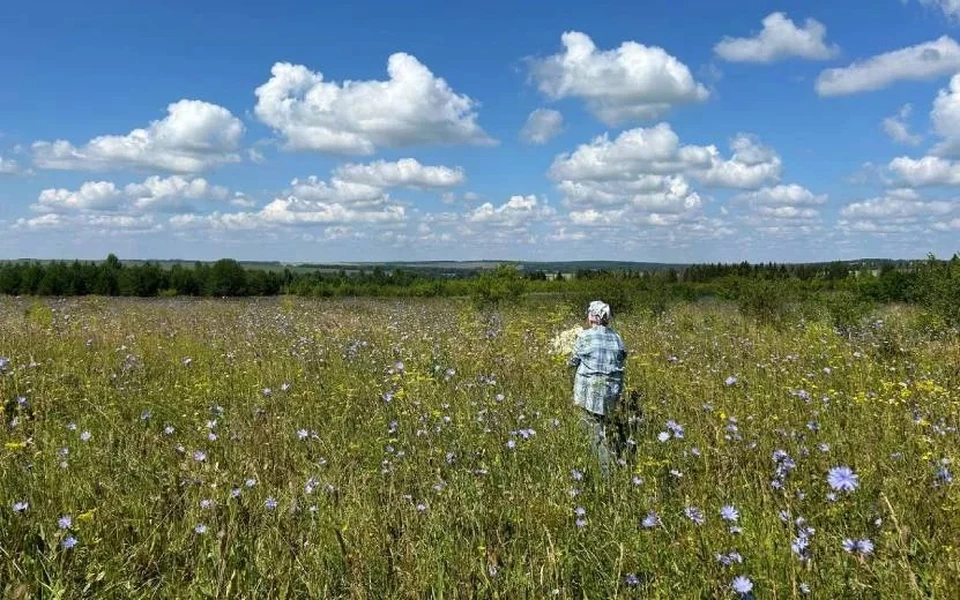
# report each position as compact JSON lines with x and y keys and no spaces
{"x":598,"y":313}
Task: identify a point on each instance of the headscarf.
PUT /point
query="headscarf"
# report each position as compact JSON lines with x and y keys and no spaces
{"x":600,"y":311}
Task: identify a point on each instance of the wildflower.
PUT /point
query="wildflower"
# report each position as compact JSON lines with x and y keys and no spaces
{"x":831,"y":497}
{"x":421,"y":508}
{"x":694,"y":514}
{"x":200,"y":529}
{"x":212,"y":436}
{"x":85,"y":436}
{"x":576,"y":475}
{"x":199,"y":456}
{"x":580,"y":511}
{"x":824,"y":447}
{"x":729,"y":513}
{"x":270,"y":503}
{"x":676,"y":473}
{"x":650,"y":521}
{"x":742,"y":585}
{"x":799,"y":546}
{"x":804,"y":588}
{"x":581,"y":522}
{"x":206,"y":503}
{"x":511,"y":444}
{"x":730,"y":380}
{"x":168,"y":430}
{"x":311,"y":485}
{"x":284,"y":387}
{"x":267,"y":392}
{"x":65,"y":522}
{"x":72,"y":426}
{"x":235,"y":493}
{"x":187,"y":361}
{"x":19,"y":507}
{"x":663,"y":436}
{"x":302,"y":434}
{"x":250,"y":482}
{"x":732,"y":558}
{"x":863,"y":547}
{"x":636,"y":480}
{"x":736,"y":529}
{"x":631,"y":580}
{"x":69,"y":542}
{"x":145,"y":414}
{"x":842,"y":479}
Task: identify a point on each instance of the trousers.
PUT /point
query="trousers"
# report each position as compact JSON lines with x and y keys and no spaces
{"x":595,"y":427}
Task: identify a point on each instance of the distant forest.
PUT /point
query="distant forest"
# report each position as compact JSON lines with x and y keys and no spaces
{"x":932,"y":281}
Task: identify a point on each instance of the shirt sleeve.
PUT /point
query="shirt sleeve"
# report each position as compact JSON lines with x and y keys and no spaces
{"x":574,"y":359}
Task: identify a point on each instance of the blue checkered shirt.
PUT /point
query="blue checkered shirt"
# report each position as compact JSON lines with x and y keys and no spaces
{"x":599,"y":355}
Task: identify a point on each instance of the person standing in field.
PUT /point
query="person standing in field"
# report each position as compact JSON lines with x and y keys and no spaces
{"x":599,"y":356}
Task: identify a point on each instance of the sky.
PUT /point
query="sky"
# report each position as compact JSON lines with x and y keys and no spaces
{"x":669,"y":131}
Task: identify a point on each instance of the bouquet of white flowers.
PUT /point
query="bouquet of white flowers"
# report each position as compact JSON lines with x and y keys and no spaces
{"x":562,"y":343}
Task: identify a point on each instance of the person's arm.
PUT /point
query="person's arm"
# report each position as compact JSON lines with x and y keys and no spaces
{"x":574,"y":360}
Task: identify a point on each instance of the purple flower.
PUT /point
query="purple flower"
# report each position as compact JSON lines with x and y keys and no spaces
{"x":842,"y":479}
{"x":200,"y":529}
{"x":85,"y":436}
{"x":65,"y":522}
{"x":580,"y":511}
{"x":694,"y":514}
{"x":270,"y":503}
{"x":729,"y":513}
{"x":862,"y":547}
{"x":650,"y":521}
{"x":421,"y":508}
{"x":631,"y":580}
{"x":730,"y":380}
{"x":576,"y":475}
{"x":199,"y":456}
{"x":206,"y":503}
{"x":168,"y":430}
{"x":302,"y":434}
{"x":581,"y":522}
{"x":250,"y":482}
{"x":69,"y":542}
{"x":235,"y":493}
{"x":636,"y":480}
{"x":19,"y":507}
{"x":742,"y":585}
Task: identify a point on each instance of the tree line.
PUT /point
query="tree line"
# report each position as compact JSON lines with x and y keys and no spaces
{"x":757,"y":287}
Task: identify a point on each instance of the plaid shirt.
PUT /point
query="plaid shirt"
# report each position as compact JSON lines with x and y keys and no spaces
{"x":599,"y":355}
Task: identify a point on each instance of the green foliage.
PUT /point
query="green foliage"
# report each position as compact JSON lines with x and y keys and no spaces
{"x":503,"y":285}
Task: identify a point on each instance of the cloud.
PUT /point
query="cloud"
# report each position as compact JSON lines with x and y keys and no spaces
{"x":950,"y":8}
{"x":8,"y":166}
{"x":195,"y":136}
{"x":783,"y":195}
{"x":154,"y":194}
{"x":516,"y":212}
{"x":542,"y":125}
{"x":926,"y":171}
{"x":896,"y":127}
{"x":406,"y":172}
{"x":645,"y":159}
{"x":413,"y":107}
{"x":96,"y":224}
{"x":893,"y":207}
{"x":921,"y":62}
{"x":632,"y":82}
{"x":780,"y":38}
{"x":945,"y":117}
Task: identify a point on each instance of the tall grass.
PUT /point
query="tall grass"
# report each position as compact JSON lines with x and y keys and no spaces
{"x":426,"y":448}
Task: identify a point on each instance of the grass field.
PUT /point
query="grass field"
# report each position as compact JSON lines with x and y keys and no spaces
{"x":288,"y":448}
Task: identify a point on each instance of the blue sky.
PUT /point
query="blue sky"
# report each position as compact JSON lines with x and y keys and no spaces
{"x":668,"y":131}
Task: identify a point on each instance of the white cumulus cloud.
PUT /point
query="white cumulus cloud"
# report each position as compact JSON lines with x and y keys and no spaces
{"x":896,"y":127}
{"x":194,"y":136}
{"x":921,"y":62}
{"x":780,"y":38}
{"x":406,"y":172}
{"x":542,"y":125}
{"x":631,"y":82}
{"x":154,"y":194}
{"x":412,"y":107}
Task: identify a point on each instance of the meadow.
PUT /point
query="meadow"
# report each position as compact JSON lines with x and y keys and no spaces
{"x":284,"y":447}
